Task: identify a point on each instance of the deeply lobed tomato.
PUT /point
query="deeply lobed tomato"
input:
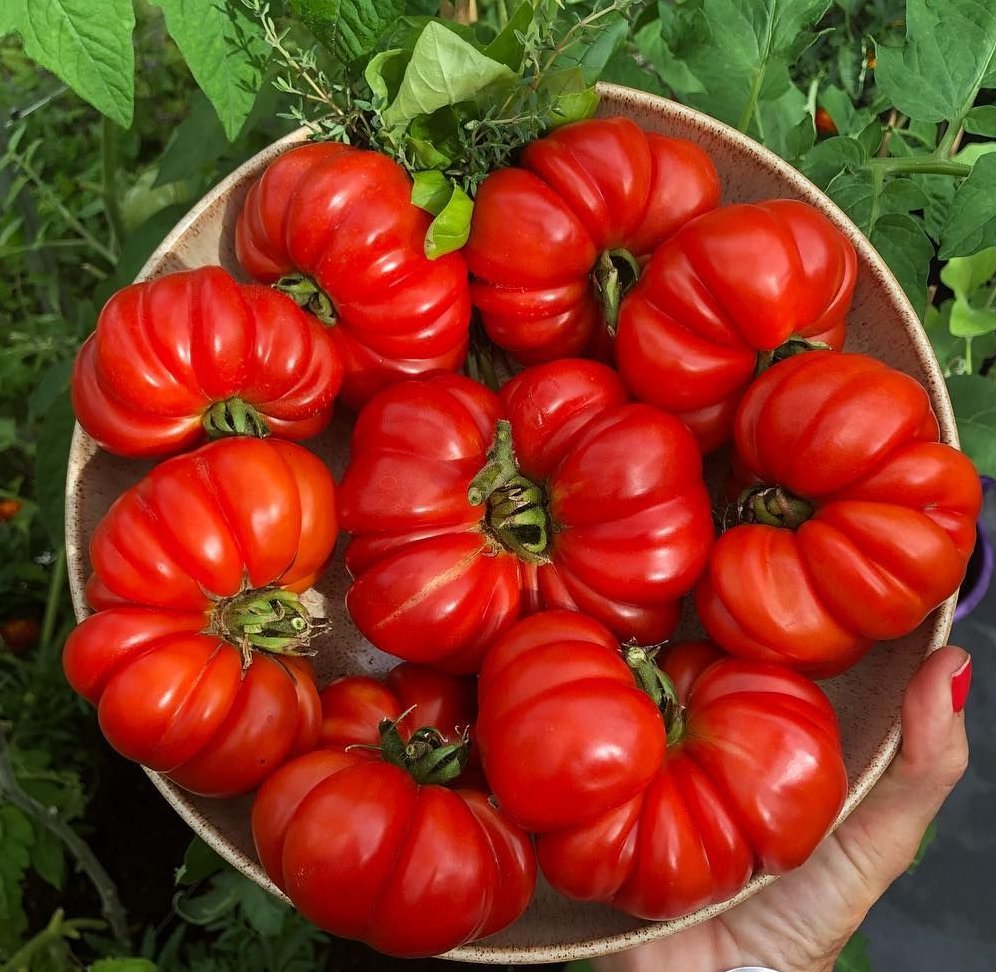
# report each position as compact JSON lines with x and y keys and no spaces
{"x":334,"y":227}
{"x":550,"y":238}
{"x":190,"y":658}
{"x":750,"y":776}
{"x":192,"y":354}
{"x":855,"y":521}
{"x":722,"y":298}
{"x":468,"y":509}
{"x":364,"y":841}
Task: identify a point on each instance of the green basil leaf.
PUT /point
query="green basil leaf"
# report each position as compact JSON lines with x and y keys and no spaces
{"x":907,"y":250}
{"x":348,"y":28}
{"x":224,"y":48}
{"x":444,"y":70}
{"x":971,"y":222}
{"x":431,"y":191}
{"x":451,"y":228}
{"x":981,"y":120}
{"x":434,"y":139}
{"x":970,"y":322}
{"x":965,"y":275}
{"x":88,"y":45}
{"x":568,"y":96}
{"x":975,"y":411}
{"x":384,"y":72}
{"x":950,"y":45}
{"x":508,"y":47}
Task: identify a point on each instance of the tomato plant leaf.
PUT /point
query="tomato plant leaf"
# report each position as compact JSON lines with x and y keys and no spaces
{"x":508,"y":47}
{"x":200,"y":861}
{"x":444,"y":70}
{"x":750,"y":43}
{"x":827,"y":159}
{"x":51,"y":461}
{"x":87,"y":45}
{"x":964,"y":275}
{"x":47,"y":856}
{"x":975,"y":410}
{"x":906,"y":248}
{"x":264,"y":913}
{"x":451,"y":228}
{"x":348,"y":28}
{"x":971,"y":222}
{"x":981,"y":120}
{"x":949,"y":51}
{"x":225,"y":51}
{"x":928,"y":838}
{"x":854,"y":957}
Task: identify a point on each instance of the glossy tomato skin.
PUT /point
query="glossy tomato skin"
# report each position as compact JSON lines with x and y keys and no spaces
{"x":539,"y":229}
{"x":893,"y":522}
{"x":754,"y":782}
{"x":365,"y":852}
{"x":195,"y":532}
{"x":344,"y":217}
{"x":733,"y":283}
{"x":631,"y":525}
{"x":166,"y":350}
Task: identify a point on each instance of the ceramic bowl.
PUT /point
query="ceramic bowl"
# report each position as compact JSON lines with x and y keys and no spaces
{"x":867,"y":699}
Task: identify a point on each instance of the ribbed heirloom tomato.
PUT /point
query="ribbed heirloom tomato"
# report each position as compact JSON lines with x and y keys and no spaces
{"x":554,"y":242}
{"x":855,"y":522}
{"x":334,"y":227}
{"x":379,"y":836}
{"x":656,"y":793}
{"x":728,"y":293}
{"x":468,"y":509}
{"x":196,"y":354}
{"x":191,"y":658}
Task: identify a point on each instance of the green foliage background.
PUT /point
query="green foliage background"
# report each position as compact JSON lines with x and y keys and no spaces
{"x":116,"y":115}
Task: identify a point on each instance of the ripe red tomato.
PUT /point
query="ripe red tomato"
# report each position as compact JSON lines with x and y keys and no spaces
{"x":549,"y":239}
{"x":369,"y":843}
{"x":190,"y":658}
{"x":468,"y":509}
{"x":751,"y":775}
{"x":825,"y":125}
{"x":19,"y":635}
{"x":196,"y":354}
{"x":725,"y":295}
{"x":334,"y":227}
{"x":856,"y":522}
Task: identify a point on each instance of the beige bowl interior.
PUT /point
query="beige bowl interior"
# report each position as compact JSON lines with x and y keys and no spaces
{"x":867,"y":699}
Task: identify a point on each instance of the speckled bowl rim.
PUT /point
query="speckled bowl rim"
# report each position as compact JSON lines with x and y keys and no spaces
{"x":481,"y":952}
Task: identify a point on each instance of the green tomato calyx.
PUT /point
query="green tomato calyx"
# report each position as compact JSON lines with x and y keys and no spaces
{"x":787,"y":349}
{"x":615,"y":274}
{"x":426,"y":755}
{"x":306,"y":293}
{"x":659,"y":687}
{"x":234,"y":416}
{"x":516,"y":514}
{"x":772,"y":506}
{"x":270,"y":619}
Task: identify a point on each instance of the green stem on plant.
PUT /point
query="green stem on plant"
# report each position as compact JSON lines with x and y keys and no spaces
{"x":919,"y":165}
{"x":56,"y":584}
{"x":109,"y":180}
{"x":48,"y":817}
{"x":749,"y":108}
{"x":969,"y":365}
{"x":949,"y":141}
{"x":56,"y":930}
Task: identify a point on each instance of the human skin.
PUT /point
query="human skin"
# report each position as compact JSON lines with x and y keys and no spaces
{"x":802,"y":921}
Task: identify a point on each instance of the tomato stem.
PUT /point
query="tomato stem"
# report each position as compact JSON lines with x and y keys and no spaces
{"x":234,"y":416}
{"x":269,"y":619}
{"x":789,"y":348}
{"x":773,"y":506}
{"x":306,"y":293}
{"x":660,"y":688}
{"x":426,"y":756}
{"x":516,"y":514}
{"x":615,"y":274}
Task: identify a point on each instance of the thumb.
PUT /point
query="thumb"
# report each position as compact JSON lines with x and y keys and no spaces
{"x":880,"y":839}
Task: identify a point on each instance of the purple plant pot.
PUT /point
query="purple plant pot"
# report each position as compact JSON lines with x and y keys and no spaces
{"x":979,"y":575}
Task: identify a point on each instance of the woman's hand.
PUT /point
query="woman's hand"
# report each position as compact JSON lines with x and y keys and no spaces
{"x":801,"y":922}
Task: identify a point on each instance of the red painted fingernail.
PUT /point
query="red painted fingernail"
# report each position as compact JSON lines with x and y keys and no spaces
{"x":960,"y":684}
